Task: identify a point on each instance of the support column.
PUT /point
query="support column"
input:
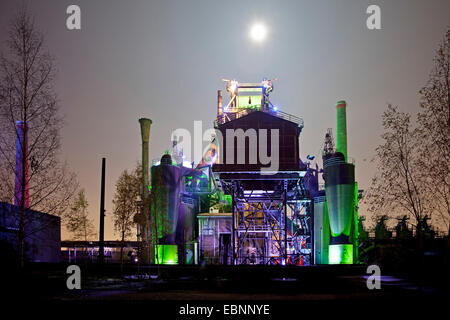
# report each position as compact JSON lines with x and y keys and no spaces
{"x":285,"y":219}
{"x":233,"y":223}
{"x":101,"y":249}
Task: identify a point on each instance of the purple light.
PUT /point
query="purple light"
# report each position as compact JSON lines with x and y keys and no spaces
{"x":21,"y":160}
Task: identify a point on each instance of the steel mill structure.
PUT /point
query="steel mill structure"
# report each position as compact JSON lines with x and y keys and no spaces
{"x":251,"y":199}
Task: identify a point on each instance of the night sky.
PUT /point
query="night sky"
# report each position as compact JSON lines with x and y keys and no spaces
{"x":165,"y":60}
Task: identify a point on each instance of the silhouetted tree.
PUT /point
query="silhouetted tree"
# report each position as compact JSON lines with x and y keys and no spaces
{"x":126,"y":197}
{"x":434,"y":128}
{"x":400,"y":181}
{"x":78,"y":222}
{"x":27,"y":73}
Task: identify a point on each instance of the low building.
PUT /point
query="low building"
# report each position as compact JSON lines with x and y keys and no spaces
{"x":87,"y":251}
{"x":42,"y":232}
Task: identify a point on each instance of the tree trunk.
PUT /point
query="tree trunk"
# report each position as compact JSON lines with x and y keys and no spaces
{"x":121,"y":253}
{"x":421,"y":254}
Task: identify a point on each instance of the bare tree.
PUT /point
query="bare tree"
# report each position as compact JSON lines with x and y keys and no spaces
{"x":400,"y":183}
{"x":26,"y":94}
{"x":126,"y":197}
{"x":78,"y":221}
{"x":434,"y":128}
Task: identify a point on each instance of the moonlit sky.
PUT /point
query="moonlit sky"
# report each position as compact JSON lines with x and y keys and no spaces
{"x":165,"y":60}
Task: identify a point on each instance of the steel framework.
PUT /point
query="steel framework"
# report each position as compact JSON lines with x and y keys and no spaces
{"x":271,"y":218}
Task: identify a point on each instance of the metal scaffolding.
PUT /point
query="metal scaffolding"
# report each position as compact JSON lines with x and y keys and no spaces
{"x":270,"y":225}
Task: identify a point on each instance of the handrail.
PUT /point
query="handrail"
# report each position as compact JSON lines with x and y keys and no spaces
{"x":226,"y":117}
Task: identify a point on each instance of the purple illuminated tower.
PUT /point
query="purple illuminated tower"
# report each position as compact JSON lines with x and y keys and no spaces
{"x":21,"y":160}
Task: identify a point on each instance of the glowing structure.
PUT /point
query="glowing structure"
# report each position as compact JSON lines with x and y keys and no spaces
{"x":175,"y":189}
{"x":336,"y":210}
{"x":21,"y":167}
{"x":341,"y":128}
{"x":232,"y":213}
{"x":270,"y":214}
{"x":246,"y":98}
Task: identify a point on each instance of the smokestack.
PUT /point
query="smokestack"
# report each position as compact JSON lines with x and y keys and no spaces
{"x":219,"y":102}
{"x":101,"y":242}
{"x":145,"y":133}
{"x":341,"y":137}
{"x":340,"y":197}
{"x":145,"y":232}
{"x":21,"y":162}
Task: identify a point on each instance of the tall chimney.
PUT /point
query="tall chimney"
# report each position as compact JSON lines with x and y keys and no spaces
{"x":21,"y":160}
{"x":341,"y":137}
{"x":219,"y":102}
{"x":145,"y":133}
{"x":145,"y":231}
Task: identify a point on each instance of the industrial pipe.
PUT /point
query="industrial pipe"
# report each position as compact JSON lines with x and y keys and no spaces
{"x":145,"y":133}
{"x":341,"y":139}
{"x":144,"y":229}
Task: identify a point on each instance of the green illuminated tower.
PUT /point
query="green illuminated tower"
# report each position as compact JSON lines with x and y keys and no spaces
{"x":341,"y":138}
{"x":339,"y":189}
{"x":341,"y":197}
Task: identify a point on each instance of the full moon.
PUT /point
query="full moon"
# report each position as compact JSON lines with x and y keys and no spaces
{"x":258,"y":32}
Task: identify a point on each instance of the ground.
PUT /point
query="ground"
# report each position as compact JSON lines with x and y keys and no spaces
{"x":288,"y":291}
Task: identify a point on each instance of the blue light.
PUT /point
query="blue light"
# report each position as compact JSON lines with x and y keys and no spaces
{"x":275,"y":108}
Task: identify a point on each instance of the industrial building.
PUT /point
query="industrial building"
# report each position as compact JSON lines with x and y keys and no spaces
{"x":251,"y":199}
{"x":42,"y":231}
